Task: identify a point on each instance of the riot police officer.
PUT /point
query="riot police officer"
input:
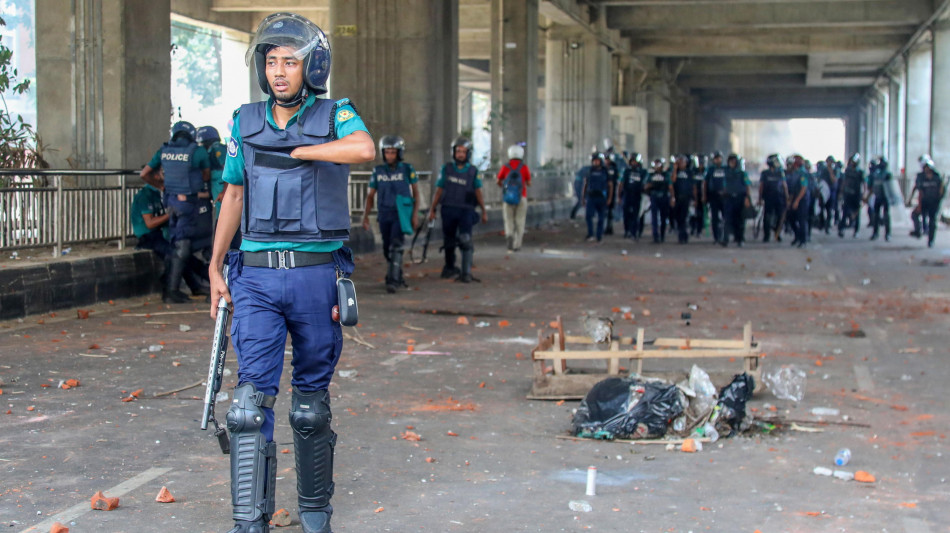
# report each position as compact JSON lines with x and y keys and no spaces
{"x":698,"y":163}
{"x":459,"y":190}
{"x":773,"y":196}
{"x":930,"y":191}
{"x":187,"y":170}
{"x":395,"y":183}
{"x":683,"y":196}
{"x":631,"y":193}
{"x":660,"y":189}
{"x":596,"y":190}
{"x":796,"y":181}
{"x":828,"y":174}
{"x":616,"y":165}
{"x":713,"y":191}
{"x":287,"y":172}
{"x":736,"y":197}
{"x":878,"y":182}
{"x":208,"y":137}
{"x":852,"y":192}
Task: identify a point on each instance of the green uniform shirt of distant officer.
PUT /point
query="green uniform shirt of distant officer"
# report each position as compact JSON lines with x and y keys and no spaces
{"x":147,"y":212}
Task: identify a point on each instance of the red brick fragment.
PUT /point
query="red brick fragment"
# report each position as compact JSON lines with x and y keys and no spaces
{"x":99,"y":502}
{"x":82,"y":314}
{"x":164,"y":496}
{"x":281,"y":518}
{"x":58,"y":528}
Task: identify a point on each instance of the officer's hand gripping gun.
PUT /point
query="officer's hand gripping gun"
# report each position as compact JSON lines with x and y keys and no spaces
{"x":219,"y":348}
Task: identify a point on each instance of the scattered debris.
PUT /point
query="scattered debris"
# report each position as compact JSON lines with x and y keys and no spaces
{"x":184,"y":327}
{"x":410,"y":436}
{"x":347,"y":373}
{"x":82,"y":314}
{"x":462,"y":321}
{"x":786,"y":382}
{"x":482,"y":324}
{"x":692,"y":446}
{"x":58,"y":528}
{"x":626,"y":407}
{"x":863,"y":477}
{"x":599,"y":329}
{"x":281,"y":518}
{"x":69,"y":383}
{"x":580,"y":506}
{"x":173,"y":391}
{"x":99,"y":502}
{"x":164,"y":496}
{"x":825,"y":411}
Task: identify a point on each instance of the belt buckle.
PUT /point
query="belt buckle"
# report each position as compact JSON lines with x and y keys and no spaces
{"x":282,"y":259}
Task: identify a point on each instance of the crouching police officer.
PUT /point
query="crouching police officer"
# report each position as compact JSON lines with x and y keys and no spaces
{"x":187,"y":170}
{"x":395,"y":183}
{"x":459,"y":189}
{"x":287,"y":171}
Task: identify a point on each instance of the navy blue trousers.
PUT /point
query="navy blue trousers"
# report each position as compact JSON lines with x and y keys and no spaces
{"x":596,"y":207}
{"x":659,"y":214}
{"x":268,"y":304}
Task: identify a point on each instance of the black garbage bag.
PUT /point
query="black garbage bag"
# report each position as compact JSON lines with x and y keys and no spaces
{"x":730,"y":411}
{"x":621,"y":408}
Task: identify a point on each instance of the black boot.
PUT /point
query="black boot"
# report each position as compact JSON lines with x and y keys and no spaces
{"x":449,"y":270}
{"x":394,"y":275}
{"x":314,"y":442}
{"x":177,"y":262}
{"x":465,"y":276}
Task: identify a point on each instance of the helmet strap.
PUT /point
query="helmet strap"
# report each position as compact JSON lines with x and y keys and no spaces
{"x":301,"y":95}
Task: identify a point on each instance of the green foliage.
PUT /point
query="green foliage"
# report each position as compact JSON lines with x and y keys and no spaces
{"x":20,"y":147}
{"x":196,"y":58}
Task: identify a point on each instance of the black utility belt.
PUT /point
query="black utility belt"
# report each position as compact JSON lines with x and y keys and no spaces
{"x":284,"y":259}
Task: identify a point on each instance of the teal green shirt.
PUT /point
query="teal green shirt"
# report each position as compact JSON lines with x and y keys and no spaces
{"x":441,"y":181}
{"x":201,"y":159}
{"x":148,"y":201}
{"x":347,"y":121}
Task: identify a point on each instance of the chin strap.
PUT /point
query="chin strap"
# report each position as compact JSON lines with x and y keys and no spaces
{"x":301,"y":96}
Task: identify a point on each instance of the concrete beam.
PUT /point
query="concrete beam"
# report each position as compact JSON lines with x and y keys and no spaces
{"x":718,"y":66}
{"x":762,"y":44}
{"x":782,"y":16}
{"x":771,"y":113}
{"x":271,"y":6}
{"x":741,"y":80}
{"x":737,"y":98}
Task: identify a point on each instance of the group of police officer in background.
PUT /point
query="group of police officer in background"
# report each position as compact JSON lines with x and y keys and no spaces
{"x":793,"y":197}
{"x":174,"y":213}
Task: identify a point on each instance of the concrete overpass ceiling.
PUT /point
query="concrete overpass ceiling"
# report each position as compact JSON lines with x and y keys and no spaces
{"x":814,"y":55}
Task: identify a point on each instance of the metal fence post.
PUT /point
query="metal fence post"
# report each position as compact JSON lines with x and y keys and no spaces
{"x":58,"y":222}
{"x":124,"y":210}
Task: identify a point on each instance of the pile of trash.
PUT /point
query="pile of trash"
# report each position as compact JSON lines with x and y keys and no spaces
{"x":636,"y":407}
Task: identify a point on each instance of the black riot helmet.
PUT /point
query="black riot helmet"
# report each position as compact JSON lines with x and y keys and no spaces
{"x":392,"y":141}
{"x":462,"y":141}
{"x":774,"y":161}
{"x":716,"y":154}
{"x":881,"y":162}
{"x":306,"y":41}
{"x":183,"y":128}
{"x":854,"y":160}
{"x":636,"y":158}
{"x":207,"y":135}
{"x":658,"y":163}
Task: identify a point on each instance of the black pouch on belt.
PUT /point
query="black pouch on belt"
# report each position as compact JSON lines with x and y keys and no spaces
{"x":346,"y":300}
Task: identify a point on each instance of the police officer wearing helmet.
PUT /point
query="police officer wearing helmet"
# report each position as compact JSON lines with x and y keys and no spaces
{"x":828,"y":175}
{"x":930,"y":189}
{"x":773,"y":195}
{"x":736,"y":197}
{"x":186,"y":170}
{"x":209,"y":138}
{"x":683,"y":196}
{"x":459,"y":190}
{"x":631,"y":194}
{"x":514,"y":179}
{"x":698,"y":163}
{"x":713,"y":191}
{"x":615,"y":165}
{"x":878,"y":182}
{"x":597,"y":189}
{"x":394,"y":182}
{"x":287,"y":171}
{"x":660,"y":189}
{"x":796,"y":180}
{"x":852,"y":192}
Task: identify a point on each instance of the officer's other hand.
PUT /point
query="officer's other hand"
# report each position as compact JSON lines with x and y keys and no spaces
{"x":366,"y":223}
{"x":484,"y":216}
{"x":220,"y":197}
{"x":431,"y":216}
{"x":219,"y":289}
{"x":748,"y":203}
{"x":415,"y":220}
{"x":794,"y":205}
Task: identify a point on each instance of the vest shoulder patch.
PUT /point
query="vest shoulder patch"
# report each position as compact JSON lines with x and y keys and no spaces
{"x":232,"y":148}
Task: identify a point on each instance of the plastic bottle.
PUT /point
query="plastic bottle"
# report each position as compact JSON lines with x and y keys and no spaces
{"x":842,"y":457}
{"x":580,"y":506}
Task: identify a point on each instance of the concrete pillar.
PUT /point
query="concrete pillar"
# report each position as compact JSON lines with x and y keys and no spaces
{"x":514,"y":71}
{"x":103,"y":87}
{"x":917,"y":109}
{"x":577,"y":96}
{"x":397,"y":60}
{"x":895,"y":125}
{"x":659,"y":112}
{"x":940,"y":101}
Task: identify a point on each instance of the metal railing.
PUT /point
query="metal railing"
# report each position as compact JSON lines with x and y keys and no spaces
{"x":60,"y":210}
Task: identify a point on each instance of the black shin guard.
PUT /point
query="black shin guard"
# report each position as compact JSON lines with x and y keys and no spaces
{"x":314,"y":442}
{"x":253,"y":461}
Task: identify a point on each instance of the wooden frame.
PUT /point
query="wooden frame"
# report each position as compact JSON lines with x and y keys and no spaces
{"x":558,"y":384}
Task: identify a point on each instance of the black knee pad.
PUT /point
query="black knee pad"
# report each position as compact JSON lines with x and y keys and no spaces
{"x":310,"y":413}
{"x":314,"y":442}
{"x":465,"y":242}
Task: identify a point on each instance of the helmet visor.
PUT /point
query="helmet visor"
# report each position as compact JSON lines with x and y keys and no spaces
{"x":288,"y":30}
